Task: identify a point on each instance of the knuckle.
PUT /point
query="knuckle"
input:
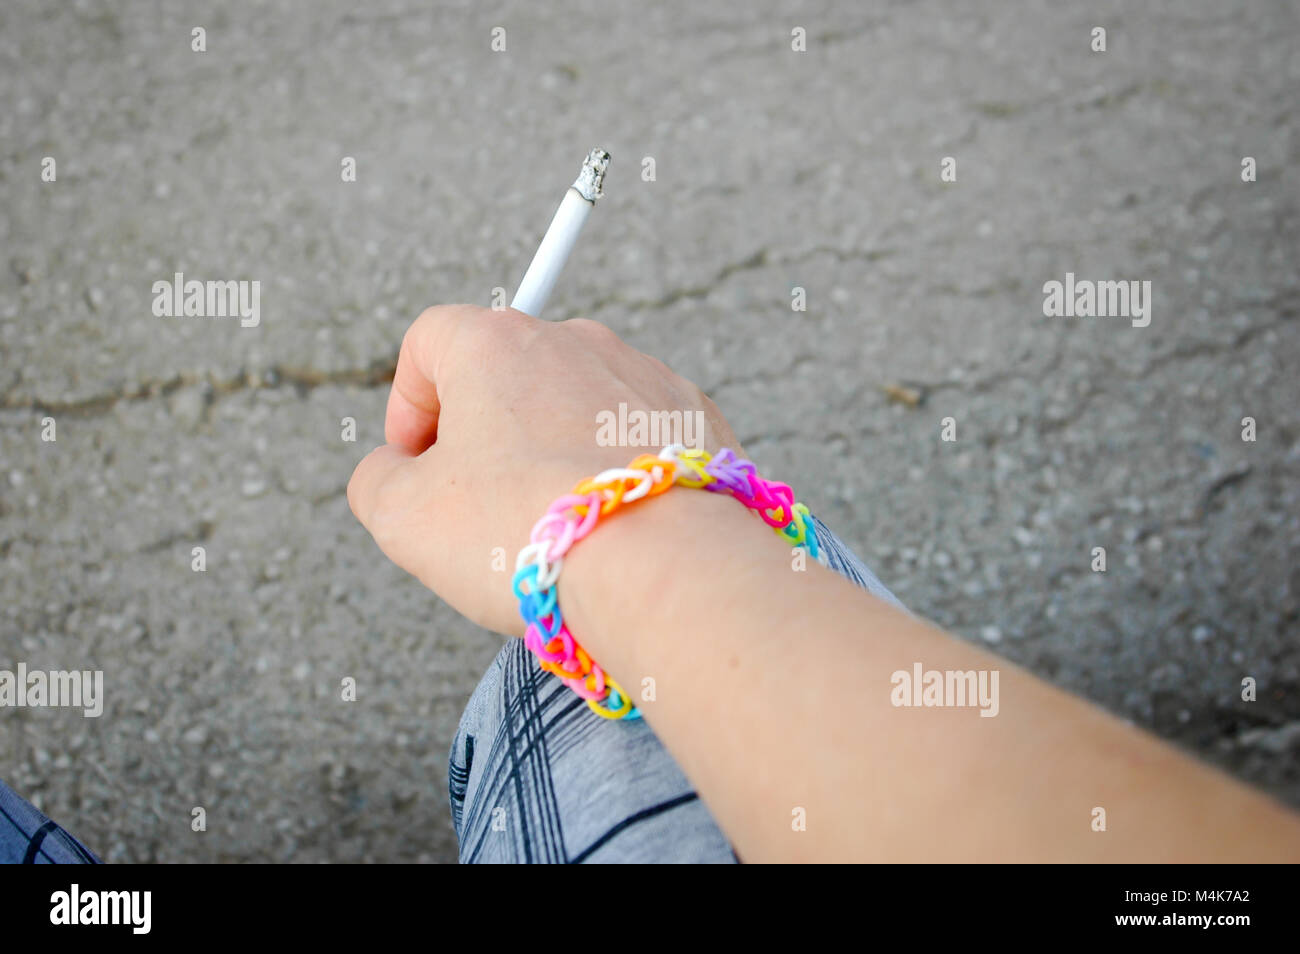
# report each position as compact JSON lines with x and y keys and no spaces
{"x":592,"y":328}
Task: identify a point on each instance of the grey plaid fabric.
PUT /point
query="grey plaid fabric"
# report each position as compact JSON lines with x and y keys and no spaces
{"x":534,"y":777}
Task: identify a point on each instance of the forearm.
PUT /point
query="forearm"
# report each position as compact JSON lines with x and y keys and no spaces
{"x":773,"y":692}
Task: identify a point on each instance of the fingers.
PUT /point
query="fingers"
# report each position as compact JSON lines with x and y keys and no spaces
{"x":438,"y":339}
{"x":411,"y":421}
{"x":377,"y":471}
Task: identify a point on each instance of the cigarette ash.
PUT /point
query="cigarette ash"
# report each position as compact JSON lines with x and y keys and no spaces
{"x":592,"y":176}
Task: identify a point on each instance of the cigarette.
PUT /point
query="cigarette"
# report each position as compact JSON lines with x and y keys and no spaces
{"x":559,"y":239}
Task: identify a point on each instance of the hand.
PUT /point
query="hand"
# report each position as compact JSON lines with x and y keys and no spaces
{"x":492,"y":415}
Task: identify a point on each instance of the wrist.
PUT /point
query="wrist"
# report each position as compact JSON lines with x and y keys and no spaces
{"x":628,"y":586}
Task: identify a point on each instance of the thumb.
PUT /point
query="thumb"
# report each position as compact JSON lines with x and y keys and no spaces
{"x":375,"y":490}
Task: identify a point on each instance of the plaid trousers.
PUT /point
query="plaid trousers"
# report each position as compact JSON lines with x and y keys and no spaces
{"x":535,"y":777}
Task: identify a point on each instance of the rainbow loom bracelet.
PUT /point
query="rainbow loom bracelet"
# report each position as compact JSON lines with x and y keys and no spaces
{"x":573,"y":516}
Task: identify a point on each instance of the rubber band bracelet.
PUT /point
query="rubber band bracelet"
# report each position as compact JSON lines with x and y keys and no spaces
{"x":576,"y":514}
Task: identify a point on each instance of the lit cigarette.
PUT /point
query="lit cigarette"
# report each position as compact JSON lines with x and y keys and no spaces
{"x":559,"y":239}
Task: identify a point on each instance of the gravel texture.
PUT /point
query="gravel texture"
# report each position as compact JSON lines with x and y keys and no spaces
{"x":775,"y":170}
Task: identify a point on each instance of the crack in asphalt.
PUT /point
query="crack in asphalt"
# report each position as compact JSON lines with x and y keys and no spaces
{"x":380,"y":371}
{"x":377,"y":374}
